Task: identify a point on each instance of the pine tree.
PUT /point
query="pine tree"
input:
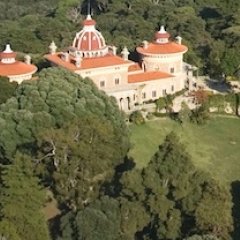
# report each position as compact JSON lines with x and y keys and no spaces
{"x":21,"y":200}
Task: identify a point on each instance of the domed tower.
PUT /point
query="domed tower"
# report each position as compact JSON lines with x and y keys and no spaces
{"x":162,"y":37}
{"x":89,"y":42}
{"x":13,"y":69}
{"x":165,"y":55}
{"x":162,"y":54}
{"x":8,"y":56}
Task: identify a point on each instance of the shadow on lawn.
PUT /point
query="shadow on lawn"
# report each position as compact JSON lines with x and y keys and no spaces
{"x":235,"y":191}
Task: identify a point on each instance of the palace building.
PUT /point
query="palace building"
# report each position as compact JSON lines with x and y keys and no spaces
{"x":159,"y":72}
{"x":13,"y":69}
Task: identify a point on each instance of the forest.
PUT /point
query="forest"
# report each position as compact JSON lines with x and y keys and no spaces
{"x":62,"y":140}
{"x":211,"y":29}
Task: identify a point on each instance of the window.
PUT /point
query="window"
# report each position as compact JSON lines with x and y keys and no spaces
{"x":154,"y":94}
{"x":172,"y":88}
{"x":172,"y":70}
{"x":164,"y":92}
{"x":143,"y":95}
{"x":102,"y":84}
{"x":117,"y":81}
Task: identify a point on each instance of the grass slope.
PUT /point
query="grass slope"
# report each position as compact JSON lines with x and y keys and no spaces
{"x":214,"y":147}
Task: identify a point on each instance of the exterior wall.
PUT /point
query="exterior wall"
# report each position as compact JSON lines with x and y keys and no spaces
{"x":163,"y":62}
{"x":145,"y":91}
{"x":20,"y":78}
{"x":108,"y":76}
{"x":152,"y":90}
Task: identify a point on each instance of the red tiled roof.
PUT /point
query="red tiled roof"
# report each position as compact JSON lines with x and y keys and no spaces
{"x":148,"y":76}
{"x":167,"y":48}
{"x":17,"y":68}
{"x":134,"y":67}
{"x":87,"y":63}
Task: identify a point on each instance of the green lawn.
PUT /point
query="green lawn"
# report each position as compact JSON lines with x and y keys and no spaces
{"x":214,"y":147}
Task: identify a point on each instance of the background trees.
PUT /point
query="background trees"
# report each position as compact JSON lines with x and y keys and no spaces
{"x":211,"y":30}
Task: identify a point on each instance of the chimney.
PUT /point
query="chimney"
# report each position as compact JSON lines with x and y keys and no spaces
{"x":145,"y":44}
{"x":65,"y":56}
{"x":179,"y":40}
{"x":27,"y":59}
{"x":114,"y":50}
{"x":125,"y":53}
{"x":52,"y":48}
{"x":78,"y":62}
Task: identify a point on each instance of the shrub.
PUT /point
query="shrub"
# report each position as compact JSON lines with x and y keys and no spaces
{"x":150,"y":116}
{"x":159,"y":114}
{"x":200,"y":115}
{"x":136,"y":117}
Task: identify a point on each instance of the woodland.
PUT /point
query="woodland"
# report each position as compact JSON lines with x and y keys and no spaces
{"x":211,"y":29}
{"x":60,"y":134}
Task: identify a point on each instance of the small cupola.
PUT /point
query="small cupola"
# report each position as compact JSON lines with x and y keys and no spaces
{"x":162,"y":36}
{"x":8,"y":56}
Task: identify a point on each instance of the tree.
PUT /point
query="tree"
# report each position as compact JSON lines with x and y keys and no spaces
{"x":200,"y":115}
{"x":100,"y":220}
{"x":184,"y":113}
{"x":213,"y":213}
{"x":174,"y":196}
{"x":78,"y":158}
{"x":203,"y":237}
{"x":55,"y":99}
{"x":21,"y":200}
{"x":136,"y":117}
{"x":160,"y":104}
{"x":7,"y":89}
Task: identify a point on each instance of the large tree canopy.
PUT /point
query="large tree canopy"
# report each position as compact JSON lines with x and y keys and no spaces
{"x":168,"y":199}
{"x":74,"y":133}
{"x":54,"y":100}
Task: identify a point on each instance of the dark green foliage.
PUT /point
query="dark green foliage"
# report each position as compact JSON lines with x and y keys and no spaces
{"x":136,"y":117}
{"x":100,"y":220}
{"x":203,"y":237}
{"x":57,"y":98}
{"x":7,"y":89}
{"x":21,"y":200}
{"x":173,"y":194}
{"x":78,"y":158}
{"x":184,"y":113}
{"x":160,"y":104}
{"x":75,"y":133}
{"x":200,"y":115}
{"x":30,"y":26}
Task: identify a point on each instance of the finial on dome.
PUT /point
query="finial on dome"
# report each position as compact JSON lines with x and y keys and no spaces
{"x":162,"y":29}
{"x":89,"y":21}
{"x":8,"y":49}
{"x":89,"y":15}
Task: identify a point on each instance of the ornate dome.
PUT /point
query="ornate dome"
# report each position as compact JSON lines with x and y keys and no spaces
{"x":162,"y":36}
{"x":89,"y":42}
{"x":8,"y":56}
